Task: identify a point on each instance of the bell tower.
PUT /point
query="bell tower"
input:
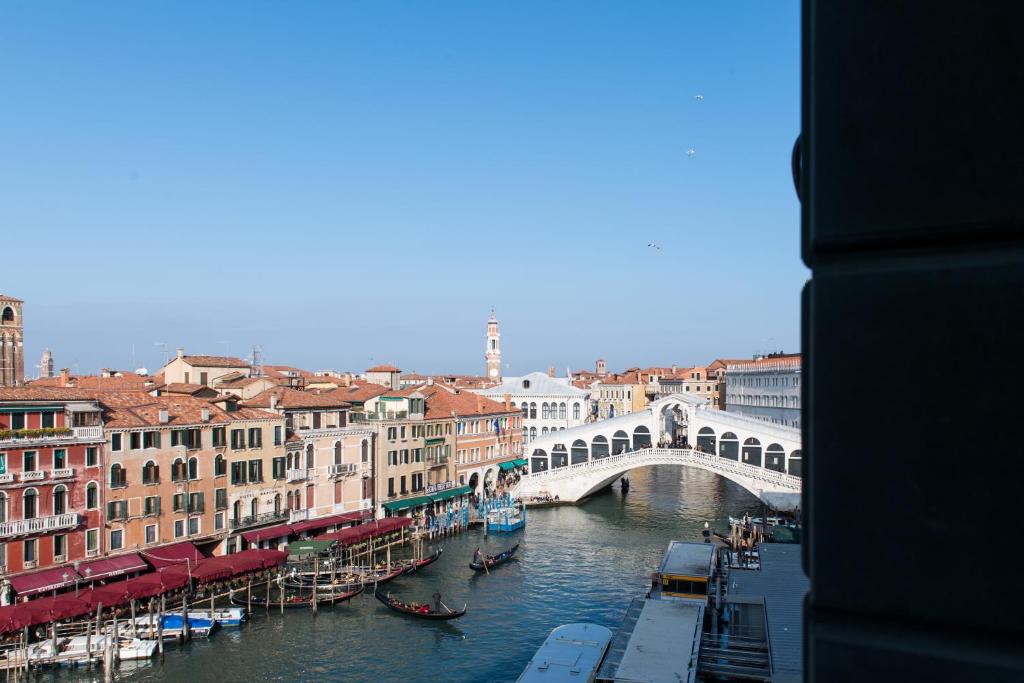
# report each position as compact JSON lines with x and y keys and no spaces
{"x":12,"y":360}
{"x":493,"y":355}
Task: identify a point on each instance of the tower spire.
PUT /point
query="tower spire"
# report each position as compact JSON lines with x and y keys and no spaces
{"x":493,"y":354}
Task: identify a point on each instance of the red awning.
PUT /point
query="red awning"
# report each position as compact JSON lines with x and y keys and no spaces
{"x":110,"y":567}
{"x":212,"y":569}
{"x":183,"y":553}
{"x":330,"y":520}
{"x":43,"y":581}
{"x":41,"y":611}
{"x":111,"y":595}
{"x":357,"y":534}
{"x":226,"y":566}
{"x":257,"y":535}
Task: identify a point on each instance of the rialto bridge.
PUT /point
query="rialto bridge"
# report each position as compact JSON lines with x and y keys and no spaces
{"x":761,"y":457}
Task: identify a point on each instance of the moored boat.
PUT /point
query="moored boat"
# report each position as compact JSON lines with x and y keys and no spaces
{"x":299,"y":601}
{"x":492,"y":561}
{"x":419,"y":610}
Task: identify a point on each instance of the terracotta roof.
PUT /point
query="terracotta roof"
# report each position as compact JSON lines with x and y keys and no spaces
{"x":182,"y":388}
{"x":441,"y":402}
{"x":238,"y":382}
{"x":130,"y":382}
{"x":359,"y":392}
{"x":283,"y":370}
{"x":11,"y":298}
{"x":31,"y":393}
{"x":383,"y":368}
{"x":292,"y":398}
{"x":132,"y":409}
{"x":215,"y":362}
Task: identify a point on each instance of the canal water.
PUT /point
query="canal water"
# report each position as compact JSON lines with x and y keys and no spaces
{"x":582,"y":563}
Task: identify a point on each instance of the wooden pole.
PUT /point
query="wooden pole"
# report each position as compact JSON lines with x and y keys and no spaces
{"x":268,"y":594}
{"x":186,"y":630}
{"x":160,"y":626}
{"x":53,"y":639}
{"x":152,"y":607}
{"x":316,"y":580}
{"x":134,"y":627}
{"x":280,"y":593}
{"x":248,"y":594}
{"x":115,"y":641}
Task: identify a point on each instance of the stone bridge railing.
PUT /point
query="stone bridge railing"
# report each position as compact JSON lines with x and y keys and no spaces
{"x":665,"y":456}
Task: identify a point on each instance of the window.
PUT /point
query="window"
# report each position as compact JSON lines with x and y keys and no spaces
{"x":417,"y":482}
{"x":278,"y":467}
{"x":561,"y":411}
{"x":220,"y":499}
{"x":150,"y":534}
{"x":196,"y":502}
{"x":533,"y":411}
{"x":218,"y":521}
{"x":134,"y":441}
{"x":401,"y":431}
{"x":60,"y":458}
{"x":204,"y":378}
{"x":417,"y":455}
{"x":3,"y":508}
{"x":151,"y":473}
{"x":178,"y":470}
{"x":405,"y":456}
{"x":91,"y":456}
{"x":365,"y":452}
{"x":151,"y":440}
{"x":60,"y":499}
{"x":116,"y":539}
{"x":17,"y":421}
{"x":30,"y":504}
{"x":219,"y":437}
{"x":255,"y":471}
{"x":117,"y":509}
{"x":337,"y":452}
{"x":28,"y":461}
{"x":237,"y":439}
{"x":277,"y":435}
{"x":151,"y":506}
{"x":178,"y":502}
{"x":392,"y":433}
{"x":392,"y":457}
{"x":193,"y":468}
{"x":29,"y":551}
{"x":238,"y":472}
{"x":179,"y":528}
{"x":255,"y":437}
{"x":193,"y":525}
{"x":402,"y":482}
{"x":391,"y":487}
{"x":60,"y":547}
{"x":92,"y":495}
{"x":92,"y":541}
{"x":220,"y":466}
{"x":46,"y":420}
{"x":189,"y":438}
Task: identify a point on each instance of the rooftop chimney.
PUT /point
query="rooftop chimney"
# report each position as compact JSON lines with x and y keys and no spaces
{"x":551,"y":371}
{"x":508,"y":401}
{"x":65,"y":376}
{"x":273,"y":401}
{"x":204,"y":414}
{"x":164,"y":416}
{"x":106,"y":372}
{"x":181,"y":352}
{"x":430,"y":381}
{"x":673,"y":368}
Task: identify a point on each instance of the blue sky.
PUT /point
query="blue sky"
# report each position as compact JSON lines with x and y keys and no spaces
{"x":345,"y":183}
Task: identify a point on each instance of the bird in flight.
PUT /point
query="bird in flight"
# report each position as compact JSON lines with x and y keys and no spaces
{"x":654,"y":246}
{"x":698,"y":97}
{"x":690,"y":152}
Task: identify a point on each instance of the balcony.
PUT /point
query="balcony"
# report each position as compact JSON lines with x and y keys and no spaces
{"x":256,"y":520}
{"x":88,"y":433}
{"x":50,"y":435}
{"x":63,"y":473}
{"x":297,"y":516}
{"x":39,"y":525}
{"x":32,"y":475}
{"x":299,"y":474}
{"x":7,"y":478}
{"x":341,"y":470}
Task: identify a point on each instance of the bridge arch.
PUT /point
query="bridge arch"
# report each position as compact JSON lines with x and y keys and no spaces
{"x":706,"y":440}
{"x":752,"y":451}
{"x":620,"y":442}
{"x":539,"y":460}
{"x":599,"y":447}
{"x":796,"y":462}
{"x":729,"y":446}
{"x":775,"y":458}
{"x":580,"y":451}
{"x":559,"y":456}
{"x":641,"y":438}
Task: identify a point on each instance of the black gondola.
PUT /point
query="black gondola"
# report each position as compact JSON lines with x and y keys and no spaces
{"x":430,"y":613}
{"x":494,"y":560}
{"x":296,"y":601}
{"x":429,"y":560}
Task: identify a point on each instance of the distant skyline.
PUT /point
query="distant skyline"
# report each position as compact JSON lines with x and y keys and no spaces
{"x":349,"y":184}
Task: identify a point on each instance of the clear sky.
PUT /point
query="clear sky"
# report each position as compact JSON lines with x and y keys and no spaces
{"x":354,"y":182}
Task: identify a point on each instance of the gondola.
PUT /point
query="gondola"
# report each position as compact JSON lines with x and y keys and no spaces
{"x":347,"y":578}
{"x":415,"y":565}
{"x":430,"y":613}
{"x":494,"y":560}
{"x":296,"y":601}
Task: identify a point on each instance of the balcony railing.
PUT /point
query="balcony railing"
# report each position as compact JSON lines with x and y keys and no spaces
{"x":7,"y":478}
{"x":32,"y":475}
{"x":39,"y":524}
{"x":298,"y":474}
{"x":51,"y":435}
{"x":256,"y":520}
{"x":297,"y":516}
{"x":63,"y":473}
{"x":88,"y":432}
{"x":342,"y":469}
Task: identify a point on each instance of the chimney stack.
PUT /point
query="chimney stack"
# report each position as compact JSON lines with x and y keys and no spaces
{"x":65,"y":376}
{"x":508,"y":401}
{"x":430,"y":381}
{"x":181,"y":352}
{"x":551,"y":371}
{"x":273,"y":401}
{"x":205,"y":415}
{"x":164,"y":416}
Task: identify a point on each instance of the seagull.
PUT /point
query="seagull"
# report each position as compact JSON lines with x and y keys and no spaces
{"x":690,"y":152}
{"x":654,"y":246}
{"x":698,"y":97}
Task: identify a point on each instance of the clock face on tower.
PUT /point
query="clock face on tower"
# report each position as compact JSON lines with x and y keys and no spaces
{"x":493,"y":372}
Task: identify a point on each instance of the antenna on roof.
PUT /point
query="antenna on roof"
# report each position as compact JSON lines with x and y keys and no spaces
{"x":227,"y":348}
{"x":256,"y":360}
{"x":163,"y":347}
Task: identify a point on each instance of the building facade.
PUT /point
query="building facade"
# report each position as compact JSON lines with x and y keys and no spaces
{"x":12,"y":342}
{"x":205,"y":370}
{"x":51,"y":478}
{"x":766,"y":387}
{"x":546,"y":403}
{"x":620,"y":394}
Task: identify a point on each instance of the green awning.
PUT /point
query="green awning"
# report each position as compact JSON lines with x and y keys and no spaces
{"x":434,"y":441}
{"x":397,"y":505}
{"x":518,"y":462}
{"x":300,"y":548}
{"x":451,"y":493}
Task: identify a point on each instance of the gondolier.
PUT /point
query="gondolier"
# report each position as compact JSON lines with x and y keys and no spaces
{"x":478,"y":557}
{"x":437,"y":601}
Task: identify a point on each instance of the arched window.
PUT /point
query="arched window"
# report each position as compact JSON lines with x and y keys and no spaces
{"x":277,"y":504}
{"x":599,"y":447}
{"x":30,"y":504}
{"x":254,"y":507}
{"x":729,"y":446}
{"x":544,"y":432}
{"x":8,"y":314}
{"x":620,"y":442}
{"x":118,"y":476}
{"x":752,"y":452}
{"x":561,"y":411}
{"x":365,"y":455}
{"x":706,"y":440}
{"x":775,"y":458}
{"x":178,"y":470}
{"x":60,"y":499}
{"x":150,"y":473}
{"x":796,"y":461}
{"x":337,"y":452}
{"x":533,"y":411}
{"x":526,"y":409}
{"x":236,"y":510}
{"x":309,"y":456}
{"x":3,"y":507}
{"x":533,"y":433}
{"x":559,"y":458}
{"x":544,"y":411}
{"x":220,"y":466}
{"x":641,"y":438}
{"x":92,"y":495}
{"x":580,"y":452}
{"x":193,"y":469}
{"x":575,"y":411}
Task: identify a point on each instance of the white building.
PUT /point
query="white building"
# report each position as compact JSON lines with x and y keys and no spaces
{"x":767,"y":388}
{"x":548,"y":403}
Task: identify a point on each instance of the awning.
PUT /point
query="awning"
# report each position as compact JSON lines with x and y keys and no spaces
{"x":177,"y":553}
{"x":358,"y":534}
{"x":110,"y":567}
{"x":271,"y":532}
{"x":330,"y":520}
{"x":397,"y":505}
{"x":518,"y":462}
{"x":43,"y":581}
{"x":300,"y":548}
{"x":451,"y":493}
{"x":226,"y":566}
